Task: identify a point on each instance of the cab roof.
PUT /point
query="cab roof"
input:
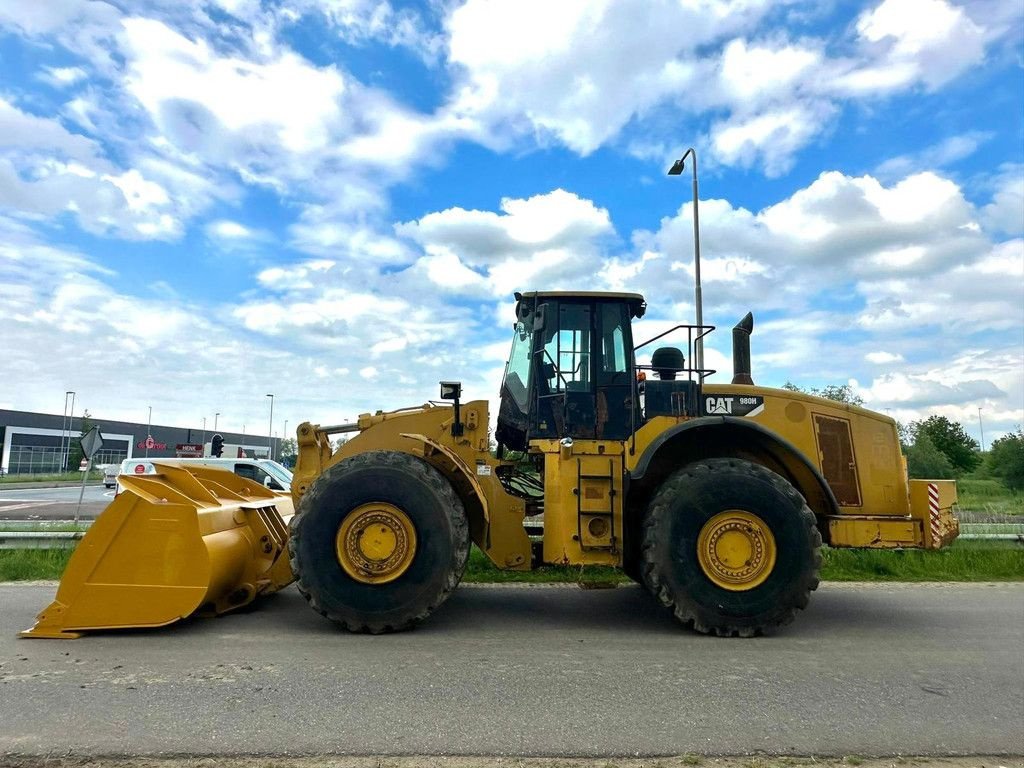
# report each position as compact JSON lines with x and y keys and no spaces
{"x":580,"y":295}
{"x":637,"y":305}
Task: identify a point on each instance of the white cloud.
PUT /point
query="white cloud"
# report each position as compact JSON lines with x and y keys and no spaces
{"x":542,"y":240}
{"x":929,"y":40}
{"x":1005,"y":214}
{"x":883,"y":358}
{"x":62,"y":77}
{"x":193,"y":94}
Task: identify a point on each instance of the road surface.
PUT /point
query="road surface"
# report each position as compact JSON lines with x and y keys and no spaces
{"x":867,"y":670}
{"x":53,"y":503}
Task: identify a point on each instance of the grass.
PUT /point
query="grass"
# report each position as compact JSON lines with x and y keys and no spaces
{"x":76,"y":476}
{"x":985,"y":500}
{"x":32,"y":564}
{"x":964,"y":561}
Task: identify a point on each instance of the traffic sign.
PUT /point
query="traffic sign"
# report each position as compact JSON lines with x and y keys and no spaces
{"x":92,"y":442}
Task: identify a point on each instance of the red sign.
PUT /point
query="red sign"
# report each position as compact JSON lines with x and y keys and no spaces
{"x":188,"y":450}
{"x":150,"y":444}
{"x":140,"y":469}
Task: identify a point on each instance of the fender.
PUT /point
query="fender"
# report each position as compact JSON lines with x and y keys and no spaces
{"x":778,"y":447}
{"x":452,"y":464}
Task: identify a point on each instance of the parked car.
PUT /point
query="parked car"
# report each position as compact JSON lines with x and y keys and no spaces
{"x":264,"y":471}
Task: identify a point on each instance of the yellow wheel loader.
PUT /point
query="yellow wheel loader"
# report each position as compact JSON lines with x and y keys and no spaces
{"x":716,"y":497}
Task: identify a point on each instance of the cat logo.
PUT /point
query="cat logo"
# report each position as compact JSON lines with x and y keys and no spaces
{"x":725,"y":405}
{"x":719,"y":406}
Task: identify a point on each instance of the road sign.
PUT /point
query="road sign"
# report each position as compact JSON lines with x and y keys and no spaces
{"x":83,"y":465}
{"x":92,"y":442}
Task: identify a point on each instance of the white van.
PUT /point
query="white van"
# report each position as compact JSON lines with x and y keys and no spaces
{"x":268,"y":473}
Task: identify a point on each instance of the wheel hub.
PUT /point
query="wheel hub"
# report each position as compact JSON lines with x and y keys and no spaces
{"x":736,"y":550}
{"x":376,"y":543}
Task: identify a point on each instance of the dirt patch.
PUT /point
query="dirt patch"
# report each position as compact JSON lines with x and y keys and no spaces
{"x":682,"y":761}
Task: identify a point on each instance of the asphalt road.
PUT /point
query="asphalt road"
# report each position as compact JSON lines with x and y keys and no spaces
{"x":867,"y":670}
{"x":53,"y":503}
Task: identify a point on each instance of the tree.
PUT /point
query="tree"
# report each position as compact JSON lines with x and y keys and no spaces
{"x":288,"y":451}
{"x":926,"y":462}
{"x":1006,"y":459}
{"x":950,"y":438}
{"x":841,"y":393}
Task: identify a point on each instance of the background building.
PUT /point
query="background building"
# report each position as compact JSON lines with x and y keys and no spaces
{"x":35,"y":443}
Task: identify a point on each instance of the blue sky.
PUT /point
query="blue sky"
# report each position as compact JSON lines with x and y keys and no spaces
{"x":334,"y":200}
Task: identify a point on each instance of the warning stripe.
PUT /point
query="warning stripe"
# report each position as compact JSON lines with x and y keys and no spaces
{"x":933,"y":514}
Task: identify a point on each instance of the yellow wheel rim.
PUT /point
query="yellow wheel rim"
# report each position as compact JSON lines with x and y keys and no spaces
{"x":736,"y":550}
{"x":376,"y":543}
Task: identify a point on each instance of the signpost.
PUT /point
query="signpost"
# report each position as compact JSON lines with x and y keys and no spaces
{"x":92,"y":441}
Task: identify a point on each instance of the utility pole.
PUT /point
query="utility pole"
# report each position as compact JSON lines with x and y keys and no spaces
{"x":149,"y":429}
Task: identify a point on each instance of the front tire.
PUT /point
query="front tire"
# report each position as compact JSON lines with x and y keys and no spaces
{"x":730,"y":547}
{"x":379,"y":542}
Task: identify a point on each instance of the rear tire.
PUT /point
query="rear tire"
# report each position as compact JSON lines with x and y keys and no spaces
{"x":716,"y":591}
{"x":439,"y":542}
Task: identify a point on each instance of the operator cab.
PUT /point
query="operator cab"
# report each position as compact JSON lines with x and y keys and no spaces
{"x":571,"y":372}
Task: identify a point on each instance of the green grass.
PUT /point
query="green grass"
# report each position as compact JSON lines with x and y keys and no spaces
{"x":982,"y":500}
{"x":76,"y":476}
{"x":32,"y":564}
{"x":964,"y":561}
{"x":480,"y":570}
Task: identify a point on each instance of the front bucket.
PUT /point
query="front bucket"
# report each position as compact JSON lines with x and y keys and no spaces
{"x":171,"y":544}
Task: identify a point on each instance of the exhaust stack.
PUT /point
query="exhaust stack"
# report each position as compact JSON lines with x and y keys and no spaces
{"x":741,"y":350}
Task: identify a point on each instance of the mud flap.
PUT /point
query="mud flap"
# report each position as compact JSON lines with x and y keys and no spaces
{"x":182,"y":541}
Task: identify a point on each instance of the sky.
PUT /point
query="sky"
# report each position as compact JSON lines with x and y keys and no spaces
{"x":333,"y":201}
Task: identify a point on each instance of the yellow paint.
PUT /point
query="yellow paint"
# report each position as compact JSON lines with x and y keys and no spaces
{"x":495,"y":518}
{"x":583,"y":496}
{"x":376,"y":543}
{"x":169,"y":545}
{"x":736,"y":550}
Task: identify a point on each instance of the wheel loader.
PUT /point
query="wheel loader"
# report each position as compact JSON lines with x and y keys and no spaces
{"x":715,"y":497}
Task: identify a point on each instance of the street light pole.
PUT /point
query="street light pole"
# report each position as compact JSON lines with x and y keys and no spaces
{"x":61,"y":459}
{"x":270,"y":431}
{"x":204,"y":432}
{"x":981,"y":426}
{"x":71,"y":430}
{"x":675,"y":170}
{"x":215,"y":417}
{"x":149,"y":429}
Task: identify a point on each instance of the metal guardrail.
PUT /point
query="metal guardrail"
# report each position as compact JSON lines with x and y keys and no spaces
{"x":43,"y":539}
{"x":40,"y":539}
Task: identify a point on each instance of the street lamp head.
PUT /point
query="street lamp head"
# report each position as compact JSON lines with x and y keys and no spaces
{"x":269,"y":395}
{"x":680,"y":165}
